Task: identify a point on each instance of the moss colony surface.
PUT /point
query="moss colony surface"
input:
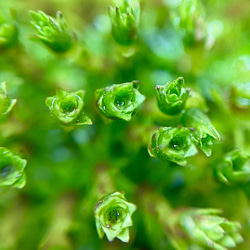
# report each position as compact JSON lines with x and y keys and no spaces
{"x":124,"y":124}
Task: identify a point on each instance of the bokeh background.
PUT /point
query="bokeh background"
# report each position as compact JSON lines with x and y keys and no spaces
{"x":67,"y":168}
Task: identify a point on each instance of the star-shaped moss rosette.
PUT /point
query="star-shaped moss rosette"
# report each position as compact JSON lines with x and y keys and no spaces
{"x":203,"y":131}
{"x":172,"y":144}
{"x":11,"y":169}
{"x":113,"y":216}
{"x":234,"y":168}
{"x":125,"y":21}
{"x":119,"y":101}
{"x":206,"y":228}
{"x":53,"y":32}
{"x":172,"y":97}
{"x":6,"y":104}
{"x":67,"y":108}
{"x":8,"y":34}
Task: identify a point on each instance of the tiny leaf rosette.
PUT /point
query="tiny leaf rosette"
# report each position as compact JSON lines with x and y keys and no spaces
{"x":6,"y":104}
{"x":171,"y":98}
{"x":172,"y":144}
{"x":67,"y":107}
{"x":234,"y":168}
{"x":113,"y":216}
{"x":125,"y":22}
{"x":206,"y":228}
{"x":52,"y":32}
{"x":11,"y":169}
{"x":204,"y":132}
{"x":119,"y":101}
{"x":8,"y":34}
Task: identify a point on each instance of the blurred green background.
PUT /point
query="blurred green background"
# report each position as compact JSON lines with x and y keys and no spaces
{"x":67,"y":168}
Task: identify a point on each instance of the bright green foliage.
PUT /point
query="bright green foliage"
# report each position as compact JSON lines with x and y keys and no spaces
{"x":208,"y":229}
{"x":189,"y":17}
{"x":125,"y":21}
{"x":53,"y":32}
{"x":67,"y":107}
{"x":172,"y":96}
{"x":113,"y":216}
{"x":11,"y":169}
{"x":204,"y":132}
{"x":241,"y":94}
{"x":119,"y":101}
{"x":241,"y":86}
{"x":6,"y":104}
{"x":70,"y":167}
{"x":190,"y":13}
{"x":172,"y":144}
{"x":234,"y":168}
{"x":8,"y":34}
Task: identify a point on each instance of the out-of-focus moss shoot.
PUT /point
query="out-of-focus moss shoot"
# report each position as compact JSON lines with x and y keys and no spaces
{"x":190,"y":19}
{"x":6,"y":104}
{"x":172,"y":144}
{"x":203,"y":131}
{"x":172,"y":97}
{"x":206,"y":228}
{"x":113,"y":216}
{"x":8,"y":34}
{"x":119,"y":101}
{"x":11,"y":169}
{"x":234,"y":168}
{"x":67,"y":108}
{"x":125,"y":21}
{"x":241,"y":95}
{"x":241,"y":82}
{"x":196,"y":100}
{"x":53,"y":32}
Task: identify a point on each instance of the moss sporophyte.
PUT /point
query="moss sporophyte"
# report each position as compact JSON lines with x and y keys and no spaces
{"x":67,"y":108}
{"x":119,"y":101}
{"x":11,"y":169}
{"x":113,"y":216}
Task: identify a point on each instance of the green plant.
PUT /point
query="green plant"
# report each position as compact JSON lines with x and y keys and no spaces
{"x":172,"y":97}
{"x":113,"y":216}
{"x":90,"y":133}
{"x":125,"y":21}
{"x":119,"y":101}
{"x":54,"y":33}
{"x":12,"y":169}
{"x":67,"y":108}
